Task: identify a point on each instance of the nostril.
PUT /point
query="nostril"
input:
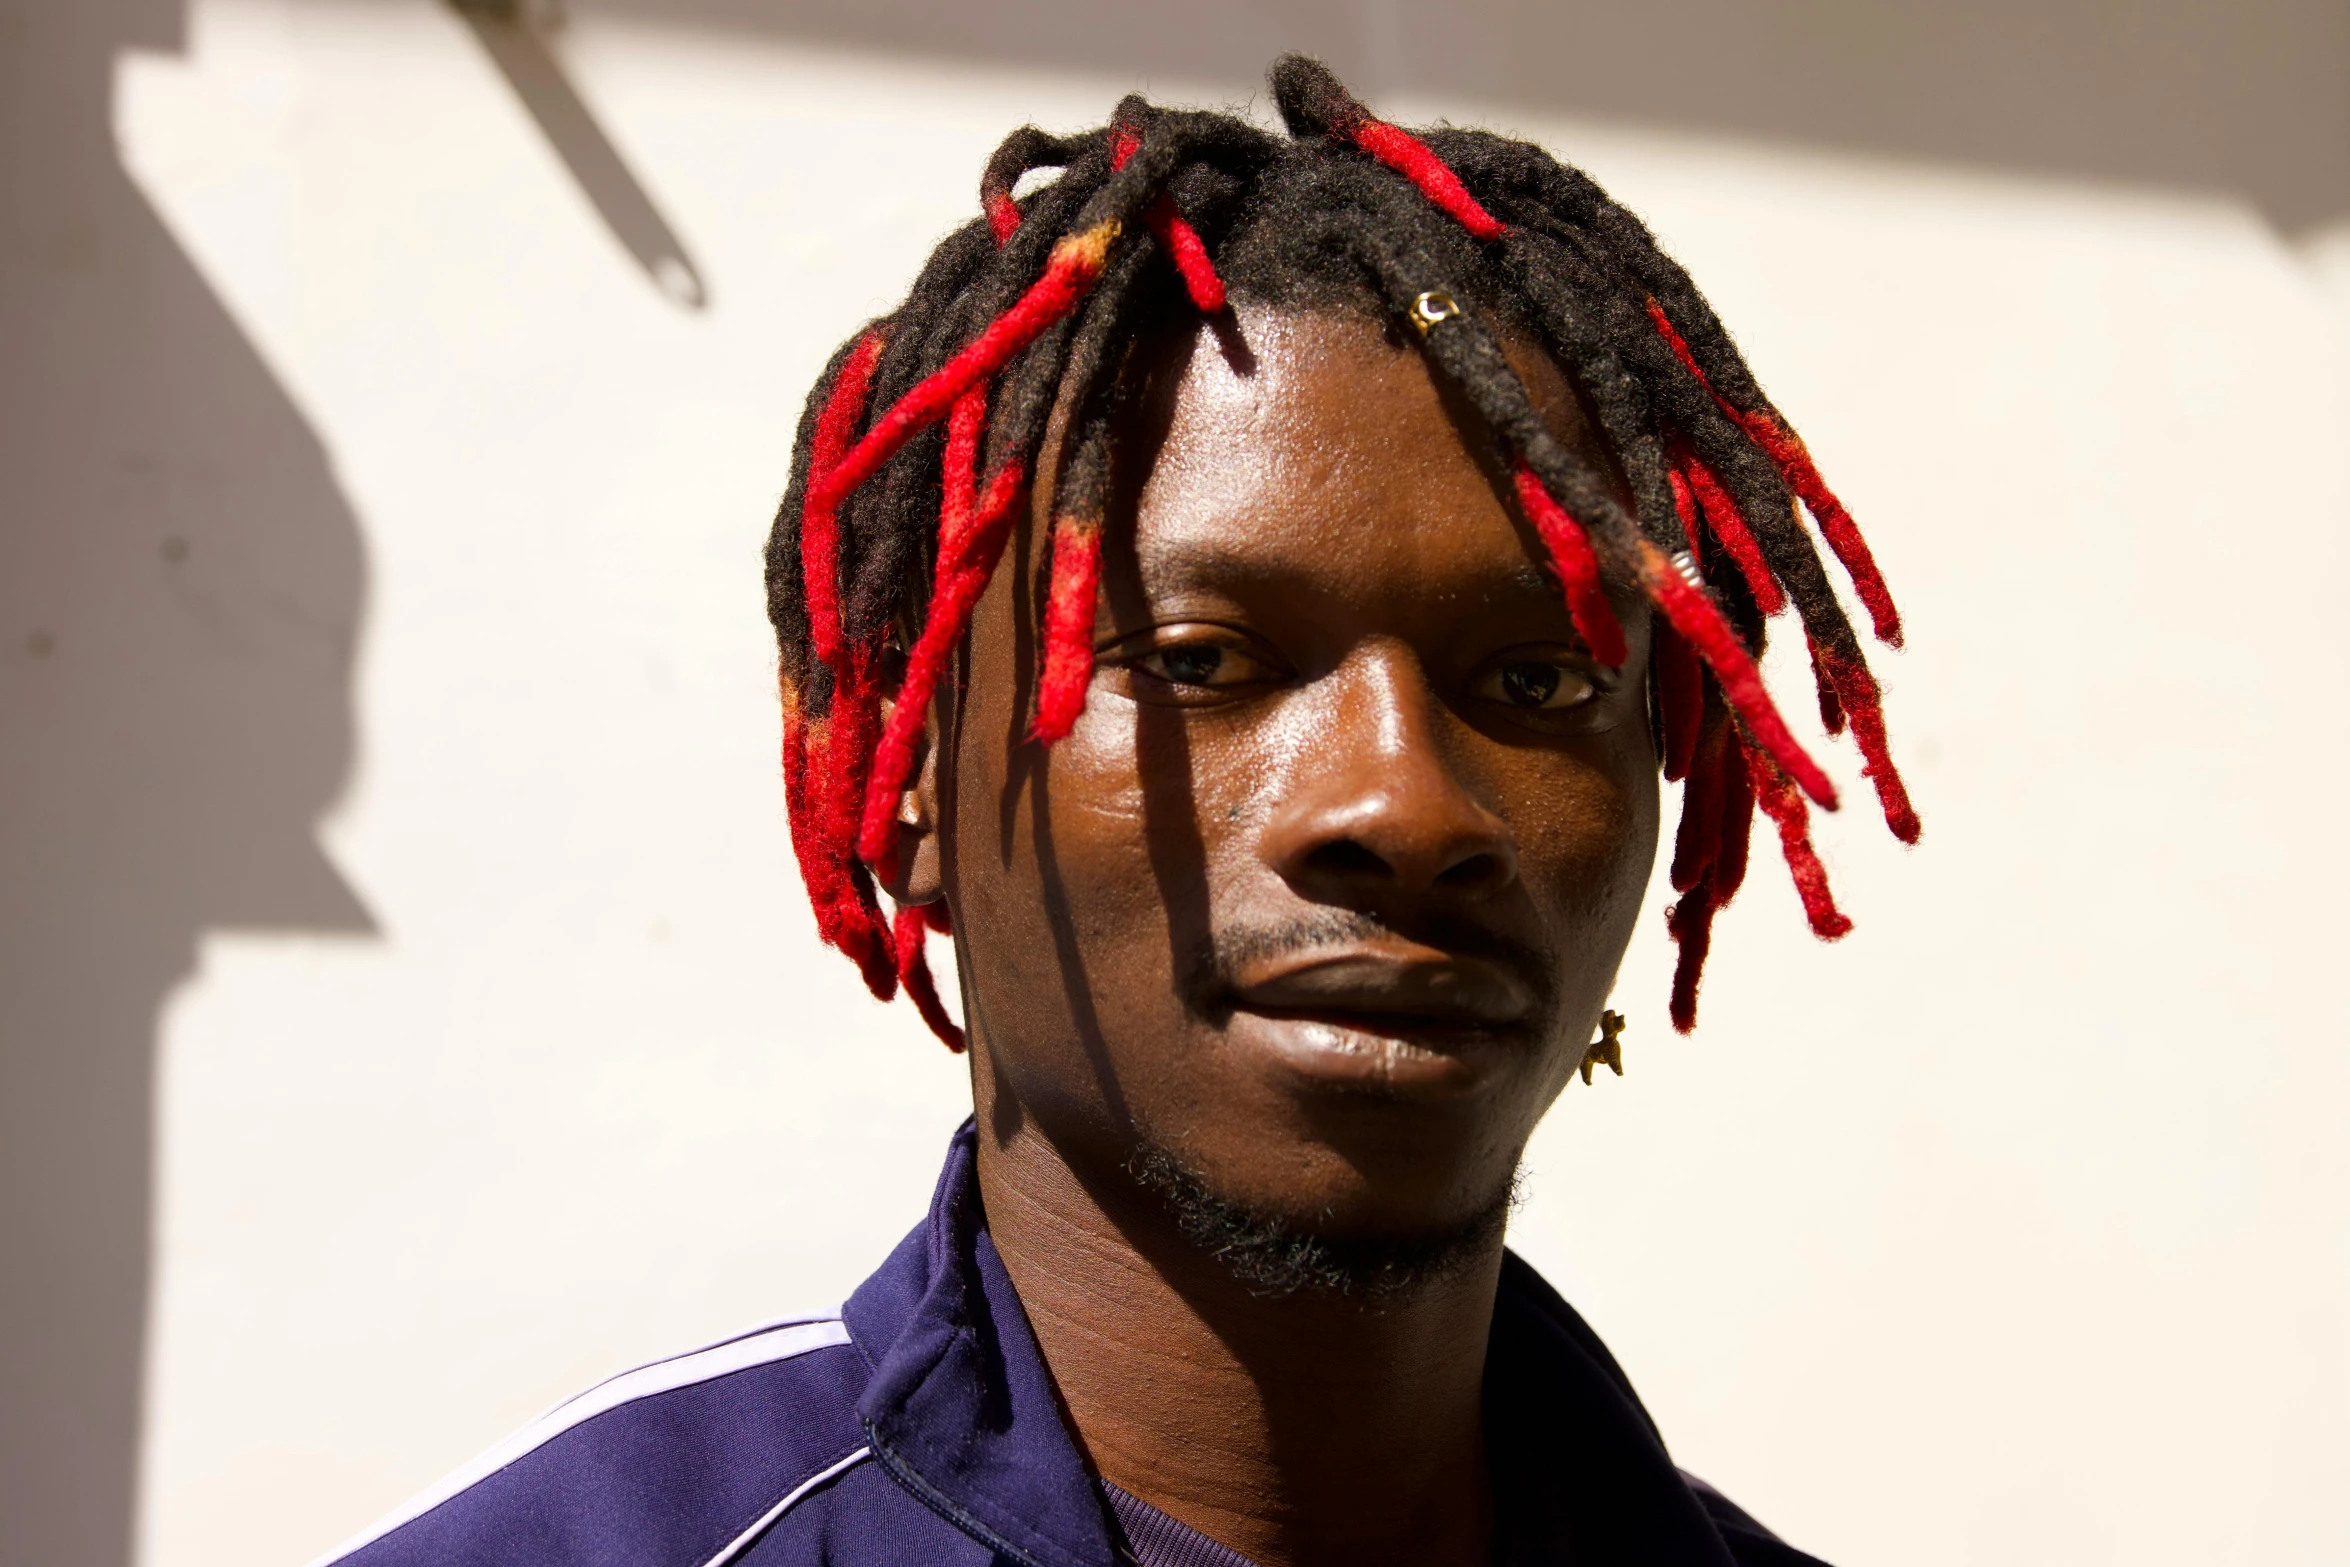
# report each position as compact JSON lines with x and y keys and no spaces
{"x":1345,"y":857}
{"x":1475,"y":871}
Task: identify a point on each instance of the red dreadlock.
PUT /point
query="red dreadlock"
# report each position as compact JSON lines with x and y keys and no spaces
{"x":1076,"y":263}
{"x":1068,"y":625}
{"x":1578,"y":569}
{"x":980,"y":546}
{"x":1409,"y":156}
{"x":840,"y":889}
{"x":1696,"y":491}
{"x":1709,"y":862}
{"x":1690,"y":611}
{"x":1680,"y":698}
{"x":1786,"y":449}
{"x":907,"y":931}
{"x":857,"y":757}
{"x":1003,"y":215}
{"x":835,"y":747}
{"x":1183,"y":243}
{"x":819,"y":527}
{"x":1858,"y":697}
{"x":1783,"y":803}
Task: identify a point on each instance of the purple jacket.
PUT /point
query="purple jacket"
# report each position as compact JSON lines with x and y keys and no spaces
{"x":918,"y":1425}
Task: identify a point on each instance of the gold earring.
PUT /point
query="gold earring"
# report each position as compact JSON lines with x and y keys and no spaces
{"x":1608,"y":1048}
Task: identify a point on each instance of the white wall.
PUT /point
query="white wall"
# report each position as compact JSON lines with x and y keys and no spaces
{"x":2013,"y":1229}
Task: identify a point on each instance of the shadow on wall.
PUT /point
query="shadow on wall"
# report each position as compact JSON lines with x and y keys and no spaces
{"x":519,"y":40}
{"x":180,"y":581}
{"x":2247,"y":98}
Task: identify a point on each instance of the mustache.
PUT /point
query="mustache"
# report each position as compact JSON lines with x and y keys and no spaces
{"x":1213,"y":966}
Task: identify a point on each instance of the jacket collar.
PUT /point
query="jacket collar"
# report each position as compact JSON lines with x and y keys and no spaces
{"x":1575,"y":1457}
{"x":961,"y":1410}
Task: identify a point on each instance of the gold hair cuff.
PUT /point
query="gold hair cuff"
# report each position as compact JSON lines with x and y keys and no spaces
{"x":1434,"y":306}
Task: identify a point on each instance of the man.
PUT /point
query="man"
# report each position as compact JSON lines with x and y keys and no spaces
{"x":1381,"y":514}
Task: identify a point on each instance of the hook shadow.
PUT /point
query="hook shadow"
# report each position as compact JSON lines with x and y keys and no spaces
{"x":515,"y":37}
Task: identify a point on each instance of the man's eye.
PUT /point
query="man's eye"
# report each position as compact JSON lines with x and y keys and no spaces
{"x":1194,"y":664}
{"x":1199,"y":664}
{"x":1542,"y":687}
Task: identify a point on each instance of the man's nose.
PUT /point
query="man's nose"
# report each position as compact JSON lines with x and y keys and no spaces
{"x":1376,"y":805}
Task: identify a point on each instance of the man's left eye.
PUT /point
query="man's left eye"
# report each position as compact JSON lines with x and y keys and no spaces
{"x":1536,"y":685}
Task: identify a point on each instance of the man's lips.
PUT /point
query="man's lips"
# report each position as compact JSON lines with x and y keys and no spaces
{"x":1383,"y":986}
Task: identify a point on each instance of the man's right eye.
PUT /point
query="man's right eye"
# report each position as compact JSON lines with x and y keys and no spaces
{"x":1194,"y":661}
{"x":1191,"y":664}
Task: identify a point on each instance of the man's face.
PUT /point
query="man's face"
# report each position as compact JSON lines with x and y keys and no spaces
{"x":1322,"y":897}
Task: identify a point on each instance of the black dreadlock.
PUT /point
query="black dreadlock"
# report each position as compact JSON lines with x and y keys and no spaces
{"x":919,"y":440}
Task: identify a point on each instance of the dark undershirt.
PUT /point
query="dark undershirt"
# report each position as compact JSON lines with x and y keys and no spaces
{"x":1150,"y":1538}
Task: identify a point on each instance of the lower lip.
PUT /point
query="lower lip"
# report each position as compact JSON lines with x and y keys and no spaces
{"x":1397,"y":1058}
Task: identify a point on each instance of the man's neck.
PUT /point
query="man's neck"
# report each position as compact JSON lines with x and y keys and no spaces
{"x":1298,"y":1431}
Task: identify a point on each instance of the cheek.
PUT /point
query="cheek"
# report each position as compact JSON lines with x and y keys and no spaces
{"x":1071,"y":872}
{"x":1587,"y":842}
{"x":1046,"y":861}
{"x":1589,"y":838}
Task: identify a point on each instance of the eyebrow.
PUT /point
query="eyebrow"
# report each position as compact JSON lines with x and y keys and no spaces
{"x":1213,"y":559}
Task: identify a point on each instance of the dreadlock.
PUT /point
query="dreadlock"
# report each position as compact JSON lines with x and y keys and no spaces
{"x":923,"y":433}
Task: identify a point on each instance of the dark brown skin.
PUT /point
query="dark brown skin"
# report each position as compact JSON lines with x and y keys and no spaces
{"x":1325,"y":644}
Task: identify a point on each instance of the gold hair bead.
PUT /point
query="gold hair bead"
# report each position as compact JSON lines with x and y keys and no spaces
{"x":1608,"y":1049}
{"x":1434,"y":306}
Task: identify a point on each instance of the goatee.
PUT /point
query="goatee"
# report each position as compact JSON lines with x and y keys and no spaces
{"x":1277,"y":1257}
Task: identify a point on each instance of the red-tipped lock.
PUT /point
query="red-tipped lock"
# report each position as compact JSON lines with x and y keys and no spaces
{"x":1863,"y":704}
{"x":1578,"y":569}
{"x":951,"y":603}
{"x":1680,"y":689}
{"x":1191,"y":255}
{"x":1076,"y":265}
{"x":1410,"y":157}
{"x":1003,"y":215}
{"x":1068,"y":627}
{"x":1786,"y":450}
{"x":1691,"y":922}
{"x":1728,"y":524}
{"x":1831,"y":705}
{"x":908,"y":930}
{"x":1183,"y":243}
{"x":1698,"y":840}
{"x":1698,"y":620}
{"x":836,"y":427}
{"x":1782,"y":802}
{"x":1729,"y":873}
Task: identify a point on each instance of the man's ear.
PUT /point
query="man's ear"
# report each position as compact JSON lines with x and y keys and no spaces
{"x":919,"y":878}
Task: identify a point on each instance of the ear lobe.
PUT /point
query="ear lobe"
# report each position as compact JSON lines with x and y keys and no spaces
{"x":917,"y":877}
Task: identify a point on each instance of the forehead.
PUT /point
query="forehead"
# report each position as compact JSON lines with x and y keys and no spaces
{"x":1321,"y":447}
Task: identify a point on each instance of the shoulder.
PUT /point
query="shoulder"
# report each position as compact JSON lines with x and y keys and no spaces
{"x":1751,"y":1545}
{"x":687,"y":1462}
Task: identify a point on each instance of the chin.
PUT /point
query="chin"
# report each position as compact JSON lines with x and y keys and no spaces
{"x":1345,"y":1126}
{"x":1332,"y":1244}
